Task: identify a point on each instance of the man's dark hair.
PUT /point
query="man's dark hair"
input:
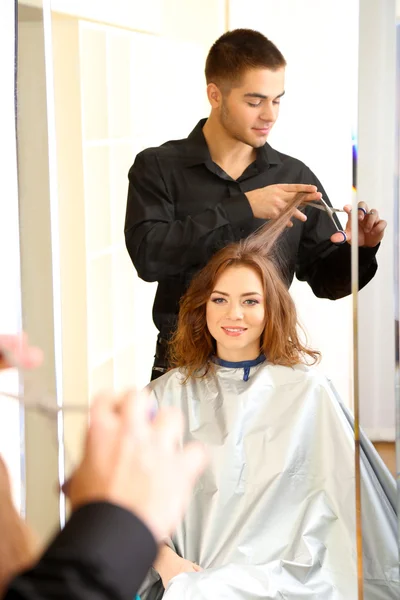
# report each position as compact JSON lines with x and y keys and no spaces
{"x":237,"y":51}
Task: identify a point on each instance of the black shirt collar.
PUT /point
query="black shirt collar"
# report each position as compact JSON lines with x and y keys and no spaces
{"x":198,"y":152}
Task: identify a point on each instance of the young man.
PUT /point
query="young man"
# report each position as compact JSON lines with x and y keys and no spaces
{"x":189,"y":197}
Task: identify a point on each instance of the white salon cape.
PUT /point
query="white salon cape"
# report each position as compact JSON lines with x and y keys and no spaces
{"x":273,"y":515}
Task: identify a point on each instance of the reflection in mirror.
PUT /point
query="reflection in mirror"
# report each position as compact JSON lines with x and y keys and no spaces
{"x":281,"y":438}
{"x":376,"y":337}
{"x":396,"y":251}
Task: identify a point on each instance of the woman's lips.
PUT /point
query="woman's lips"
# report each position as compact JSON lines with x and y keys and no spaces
{"x":234,"y":331}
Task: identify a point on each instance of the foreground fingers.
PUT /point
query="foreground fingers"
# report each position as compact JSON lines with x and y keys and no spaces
{"x":15,"y":351}
{"x":168,"y":428}
{"x":194,"y":460}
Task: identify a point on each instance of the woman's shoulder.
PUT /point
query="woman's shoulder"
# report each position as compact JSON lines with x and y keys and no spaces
{"x":169,"y":377}
{"x":299,"y":373}
{"x":175,"y":384}
{"x":172,"y":382}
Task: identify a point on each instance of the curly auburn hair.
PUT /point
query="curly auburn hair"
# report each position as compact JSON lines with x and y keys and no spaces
{"x":192,"y":344}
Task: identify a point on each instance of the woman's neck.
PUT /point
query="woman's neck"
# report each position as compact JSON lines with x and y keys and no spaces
{"x":239,"y":355}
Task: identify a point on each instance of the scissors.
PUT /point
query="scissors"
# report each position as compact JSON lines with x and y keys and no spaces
{"x":41,"y":402}
{"x":45,"y":403}
{"x":322,"y":205}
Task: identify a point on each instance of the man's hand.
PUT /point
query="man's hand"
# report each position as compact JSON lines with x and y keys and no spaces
{"x":270,"y":201}
{"x":16,"y":352}
{"x":137,"y":463}
{"x":18,"y":544}
{"x":371,"y":228}
{"x":169,"y":565}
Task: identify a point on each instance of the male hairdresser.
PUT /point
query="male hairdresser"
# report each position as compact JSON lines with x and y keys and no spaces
{"x":190,"y":197}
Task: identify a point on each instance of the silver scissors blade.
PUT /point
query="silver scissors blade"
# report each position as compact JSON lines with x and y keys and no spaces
{"x":43,"y":403}
{"x":39,"y":405}
{"x":322,"y":205}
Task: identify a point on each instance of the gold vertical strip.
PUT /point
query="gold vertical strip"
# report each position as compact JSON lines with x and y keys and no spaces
{"x":227,"y":15}
{"x":356,"y":373}
{"x":357,"y":448}
{"x":356,"y":390}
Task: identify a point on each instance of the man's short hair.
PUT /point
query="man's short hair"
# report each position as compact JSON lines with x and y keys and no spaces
{"x":237,"y":51}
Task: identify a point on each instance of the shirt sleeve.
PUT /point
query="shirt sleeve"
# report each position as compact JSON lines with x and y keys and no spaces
{"x":326,"y":266}
{"x":162,"y":246}
{"x":103,"y":553}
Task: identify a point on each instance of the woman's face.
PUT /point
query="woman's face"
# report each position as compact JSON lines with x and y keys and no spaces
{"x":235,"y":314}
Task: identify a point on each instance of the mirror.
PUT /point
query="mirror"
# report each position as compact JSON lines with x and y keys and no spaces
{"x":376,"y":304}
{"x":133,"y":79}
{"x":396,"y":252}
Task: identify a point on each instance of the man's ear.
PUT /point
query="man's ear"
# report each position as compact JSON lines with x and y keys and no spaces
{"x":214,"y":95}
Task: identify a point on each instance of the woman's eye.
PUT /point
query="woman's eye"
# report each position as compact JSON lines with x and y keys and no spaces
{"x":218,"y":300}
{"x":251,"y":302}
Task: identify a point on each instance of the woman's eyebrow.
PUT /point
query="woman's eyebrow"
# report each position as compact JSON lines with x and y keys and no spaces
{"x":246,"y":294}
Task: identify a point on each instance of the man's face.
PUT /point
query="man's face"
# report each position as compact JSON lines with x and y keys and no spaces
{"x":249,"y":112}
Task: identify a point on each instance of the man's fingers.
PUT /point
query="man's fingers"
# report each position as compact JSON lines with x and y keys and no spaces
{"x":300,"y":215}
{"x":104,"y":405}
{"x":168,"y":428}
{"x":16,"y":352}
{"x":370,"y":220}
{"x":297,"y":188}
{"x":341,"y":237}
{"x":135,"y":414}
{"x":194,"y":461}
{"x":66,"y":486}
{"x":378,"y":229}
{"x":104,"y":419}
{"x":362,"y":211}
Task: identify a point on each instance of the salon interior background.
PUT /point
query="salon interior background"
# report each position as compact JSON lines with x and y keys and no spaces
{"x":111,"y":78}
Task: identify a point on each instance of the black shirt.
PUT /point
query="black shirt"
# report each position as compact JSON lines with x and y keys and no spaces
{"x":103,"y":553}
{"x":182,"y":208}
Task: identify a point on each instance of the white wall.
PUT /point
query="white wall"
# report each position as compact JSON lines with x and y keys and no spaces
{"x":376,"y":169}
{"x":132,"y":14}
{"x":327,"y":100}
{"x":10,"y":298}
{"x":320,"y":43}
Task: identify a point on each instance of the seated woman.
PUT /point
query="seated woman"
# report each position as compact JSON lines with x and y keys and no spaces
{"x":273,"y":516}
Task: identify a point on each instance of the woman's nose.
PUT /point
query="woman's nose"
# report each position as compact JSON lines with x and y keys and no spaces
{"x":235,"y":312}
